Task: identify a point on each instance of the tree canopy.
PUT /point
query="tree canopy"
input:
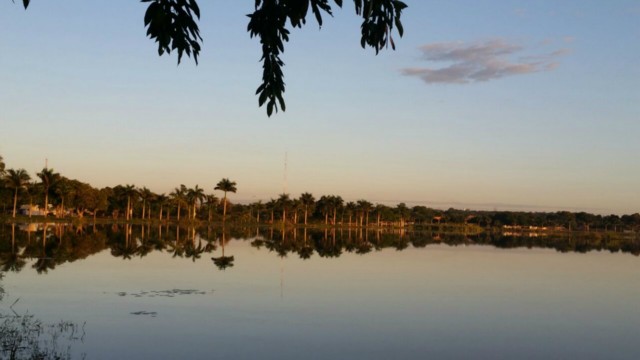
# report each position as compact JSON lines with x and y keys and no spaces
{"x":173,"y":25}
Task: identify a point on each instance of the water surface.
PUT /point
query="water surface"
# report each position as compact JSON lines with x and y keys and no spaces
{"x":324,"y":294}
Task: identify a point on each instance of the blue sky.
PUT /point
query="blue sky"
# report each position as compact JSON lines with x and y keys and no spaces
{"x":484,"y":104}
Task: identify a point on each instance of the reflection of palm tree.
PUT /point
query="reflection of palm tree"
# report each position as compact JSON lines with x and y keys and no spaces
{"x":192,"y":251}
{"x":12,"y":261}
{"x":16,"y":180}
{"x":305,"y":252}
{"x":223,"y":262}
{"x":225,"y":185}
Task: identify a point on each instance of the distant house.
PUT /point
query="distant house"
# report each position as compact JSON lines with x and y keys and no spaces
{"x":31,"y":210}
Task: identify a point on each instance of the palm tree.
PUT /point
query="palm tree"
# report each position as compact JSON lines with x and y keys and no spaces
{"x":284,"y":203}
{"x":146,"y":195}
{"x":16,"y":180}
{"x":48,"y":178}
{"x":32,"y":190}
{"x":178,"y":197}
{"x":194,"y":196}
{"x":324,"y":203}
{"x":403,"y":212}
{"x":225,"y":185}
{"x":259,"y":207}
{"x":271,"y":206}
{"x":63,"y":189}
{"x":130,"y":192}
{"x":336,"y":203}
{"x":162,"y":200}
{"x":308,"y":201}
{"x":212,"y":204}
{"x":365,"y":208}
{"x":379,"y":209}
{"x":351,"y":209}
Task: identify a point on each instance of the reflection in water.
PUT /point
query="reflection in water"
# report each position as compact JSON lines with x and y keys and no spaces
{"x":223,"y":262}
{"x":426,"y":299}
{"x":48,"y":246}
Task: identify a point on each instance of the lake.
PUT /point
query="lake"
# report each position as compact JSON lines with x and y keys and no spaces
{"x":130,"y":292}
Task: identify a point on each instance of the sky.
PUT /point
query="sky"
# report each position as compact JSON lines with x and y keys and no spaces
{"x":507,"y":105}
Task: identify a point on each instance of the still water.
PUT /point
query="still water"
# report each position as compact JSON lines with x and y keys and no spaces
{"x":165,"y":293}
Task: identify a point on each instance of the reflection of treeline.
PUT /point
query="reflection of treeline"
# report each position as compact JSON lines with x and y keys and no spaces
{"x":62,"y":197}
{"x":46,"y":247}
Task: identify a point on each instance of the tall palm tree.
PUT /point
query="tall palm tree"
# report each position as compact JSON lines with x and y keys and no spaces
{"x":161,"y":200}
{"x":403,"y":212}
{"x":365,"y":208}
{"x":212,"y":204}
{"x":194,"y":196}
{"x":271,"y":206}
{"x":16,"y":180}
{"x":351,"y":208}
{"x":48,"y":178}
{"x":63,"y":189}
{"x":324,"y":203}
{"x":130,"y":192}
{"x":379,"y":209}
{"x":146,"y":195}
{"x":308,"y":201}
{"x":178,"y":196}
{"x":336,"y":203}
{"x":284,"y":203}
{"x":225,"y":185}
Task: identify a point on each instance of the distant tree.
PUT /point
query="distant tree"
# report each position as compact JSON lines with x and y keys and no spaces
{"x":351,"y":209}
{"x":308,"y":201}
{"x":146,"y":196}
{"x":162,"y":200}
{"x":131,"y":193}
{"x":258,"y":207}
{"x":325,"y":205}
{"x":271,"y":207}
{"x":63,"y":189}
{"x":225,"y":185}
{"x":212,"y":204}
{"x":403,"y":213}
{"x":284,"y":204}
{"x":178,"y":197}
{"x":172,"y":24}
{"x":48,"y":178}
{"x":336,"y":204}
{"x":365,"y":208}
{"x":1,"y":166}
{"x":194,"y":196}
{"x":379,"y":209}
{"x":16,"y":180}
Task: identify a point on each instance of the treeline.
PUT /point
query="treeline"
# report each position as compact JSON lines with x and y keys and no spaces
{"x":51,"y":194}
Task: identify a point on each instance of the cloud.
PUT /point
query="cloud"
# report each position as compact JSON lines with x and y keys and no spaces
{"x":480,"y":61}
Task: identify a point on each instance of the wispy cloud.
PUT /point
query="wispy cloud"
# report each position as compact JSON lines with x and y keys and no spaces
{"x":481,"y":61}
